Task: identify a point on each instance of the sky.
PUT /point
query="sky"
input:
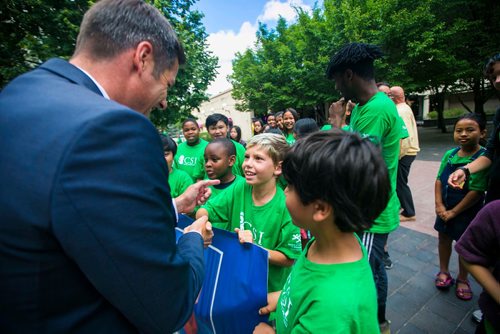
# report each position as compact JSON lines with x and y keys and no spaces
{"x":232,"y":24}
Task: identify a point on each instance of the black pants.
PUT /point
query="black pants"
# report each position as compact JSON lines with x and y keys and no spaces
{"x":402,"y":189}
{"x":374,"y":244}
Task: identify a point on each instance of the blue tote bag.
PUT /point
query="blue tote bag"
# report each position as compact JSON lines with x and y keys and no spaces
{"x":235,"y":285}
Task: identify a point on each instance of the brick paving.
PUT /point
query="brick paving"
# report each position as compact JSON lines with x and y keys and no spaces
{"x":414,"y":305}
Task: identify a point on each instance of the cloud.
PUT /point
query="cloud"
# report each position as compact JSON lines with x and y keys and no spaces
{"x":275,"y":8}
{"x":225,"y":43}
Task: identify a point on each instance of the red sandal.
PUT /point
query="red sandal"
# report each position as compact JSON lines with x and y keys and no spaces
{"x":463,"y":294}
{"x":443,"y":284}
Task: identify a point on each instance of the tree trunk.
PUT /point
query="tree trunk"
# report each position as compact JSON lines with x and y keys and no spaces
{"x":439,"y":98}
{"x":479,"y":97}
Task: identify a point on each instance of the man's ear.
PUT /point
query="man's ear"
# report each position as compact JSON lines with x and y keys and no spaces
{"x":348,"y":74}
{"x":277,"y":169}
{"x":143,"y":56}
{"x":232,"y":160}
{"x":321,"y":210}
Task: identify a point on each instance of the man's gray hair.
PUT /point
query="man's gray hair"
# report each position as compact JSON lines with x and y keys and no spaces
{"x":110,"y":27}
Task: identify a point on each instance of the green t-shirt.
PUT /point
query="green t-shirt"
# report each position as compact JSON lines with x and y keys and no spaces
{"x":271,"y":224}
{"x":290,"y":139}
{"x":178,"y":180}
{"x":216,"y":190}
{"x":379,"y":118}
{"x":190,"y":159}
{"x":328,"y":298}
{"x":327,"y":127}
{"x":477,"y":181}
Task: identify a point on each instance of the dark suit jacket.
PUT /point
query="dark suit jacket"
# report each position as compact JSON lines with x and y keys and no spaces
{"x":87,"y":242}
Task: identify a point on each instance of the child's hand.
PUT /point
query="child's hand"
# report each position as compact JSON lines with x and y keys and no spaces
{"x":456,"y":179}
{"x":263,"y":328}
{"x":440,"y":209}
{"x":244,"y":235}
{"x":448,"y":215}
{"x":272,"y":303}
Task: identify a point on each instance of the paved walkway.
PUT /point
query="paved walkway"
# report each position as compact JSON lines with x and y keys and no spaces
{"x":414,"y":304}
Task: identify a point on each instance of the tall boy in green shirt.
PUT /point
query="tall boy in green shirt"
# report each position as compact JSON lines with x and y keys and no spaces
{"x":337,"y":185}
{"x":376,"y":116}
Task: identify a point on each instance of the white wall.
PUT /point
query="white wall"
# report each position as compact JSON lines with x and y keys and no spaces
{"x":224,"y":103}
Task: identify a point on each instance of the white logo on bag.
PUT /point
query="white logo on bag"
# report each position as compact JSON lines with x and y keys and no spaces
{"x":256,"y":234}
{"x":286,"y":302}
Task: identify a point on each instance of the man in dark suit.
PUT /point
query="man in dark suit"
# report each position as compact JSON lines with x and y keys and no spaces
{"x":87,"y":241}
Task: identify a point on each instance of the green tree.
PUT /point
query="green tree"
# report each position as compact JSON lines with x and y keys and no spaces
{"x":440,"y":46}
{"x":430,"y":45}
{"x":32,"y":31}
{"x":286,"y":69}
{"x":193,"y":78}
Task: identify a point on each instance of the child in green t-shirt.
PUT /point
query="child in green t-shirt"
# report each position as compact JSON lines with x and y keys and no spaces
{"x":189,"y":157}
{"x":218,"y":127}
{"x":178,"y":180}
{"x":256,"y":209}
{"x":456,"y":208}
{"x":220,"y":156}
{"x":337,"y":185}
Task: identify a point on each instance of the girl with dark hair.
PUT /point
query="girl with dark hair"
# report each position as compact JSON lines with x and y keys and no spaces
{"x":304,"y":126}
{"x":235,"y":134}
{"x":492,"y":156}
{"x":258,"y":126}
{"x":456,"y":208}
{"x":290,"y":116}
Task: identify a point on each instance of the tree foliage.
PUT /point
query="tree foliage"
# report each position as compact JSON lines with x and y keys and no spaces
{"x":430,"y":45}
{"x":32,"y":31}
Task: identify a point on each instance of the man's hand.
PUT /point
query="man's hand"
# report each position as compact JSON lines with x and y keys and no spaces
{"x":457,"y":179}
{"x":336,"y":113}
{"x":195,"y":194}
{"x":204,"y":228}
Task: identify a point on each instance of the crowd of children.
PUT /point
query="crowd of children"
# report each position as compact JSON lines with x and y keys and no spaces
{"x":323,"y":203}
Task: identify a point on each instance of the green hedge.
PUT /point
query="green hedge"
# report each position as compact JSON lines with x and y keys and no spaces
{"x":454,"y":113}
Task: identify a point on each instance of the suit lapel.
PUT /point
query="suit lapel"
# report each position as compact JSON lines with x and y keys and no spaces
{"x":72,"y":73}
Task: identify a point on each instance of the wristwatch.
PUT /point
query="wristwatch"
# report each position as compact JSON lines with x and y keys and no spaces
{"x":466,"y":171}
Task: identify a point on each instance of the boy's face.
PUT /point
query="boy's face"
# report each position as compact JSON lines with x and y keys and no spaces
{"x":169,"y":157}
{"x":300,"y":213}
{"x":219,"y":130}
{"x":217,"y":162}
{"x":343,"y":83}
{"x":191,"y":132}
{"x":258,"y":166}
{"x":495,"y":75}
